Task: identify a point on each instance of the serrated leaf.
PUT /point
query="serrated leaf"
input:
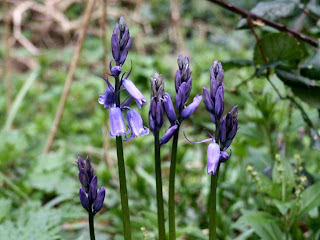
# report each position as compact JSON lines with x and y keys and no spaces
{"x":310,"y":199}
{"x":279,"y":47}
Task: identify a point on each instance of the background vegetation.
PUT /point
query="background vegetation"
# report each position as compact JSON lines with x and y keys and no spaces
{"x":260,"y":195}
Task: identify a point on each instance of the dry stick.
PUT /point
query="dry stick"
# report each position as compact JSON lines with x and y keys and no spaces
{"x":68,"y":82}
{"x":6,"y":43}
{"x":280,"y":27}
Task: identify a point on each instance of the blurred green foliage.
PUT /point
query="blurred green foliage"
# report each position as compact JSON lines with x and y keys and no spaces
{"x":39,"y":192}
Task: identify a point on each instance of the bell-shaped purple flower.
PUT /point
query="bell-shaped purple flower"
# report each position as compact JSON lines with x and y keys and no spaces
{"x":168,"y":106}
{"x":83,"y":199}
{"x":117,"y":127}
{"x":97,"y":205}
{"x":134,"y":92}
{"x":168,"y":135}
{"x":188,"y":111}
{"x":135,"y":124}
{"x":107,"y":100}
{"x":213,"y":157}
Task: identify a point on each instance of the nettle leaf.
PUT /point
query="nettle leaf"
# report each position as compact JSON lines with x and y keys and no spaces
{"x":273,"y":10}
{"x":263,"y":223}
{"x":279,"y":47}
{"x":310,"y":199}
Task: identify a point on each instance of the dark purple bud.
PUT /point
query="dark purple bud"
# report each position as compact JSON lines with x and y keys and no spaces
{"x":213,"y":85}
{"x":117,"y":127}
{"x":220,"y":78}
{"x":97,"y":205}
{"x":116,"y":70}
{"x":159,"y":115}
{"x":135,"y":124}
{"x":219,"y":102}
{"x":115,"y":48}
{"x":224,"y":156}
{"x":124,"y":53}
{"x":83,"y":199}
{"x":180,"y":97}
{"x":188,"y":88}
{"x":116,"y":30}
{"x":153,"y":108}
{"x":168,"y":135}
{"x":177,"y":80}
{"x":207,"y":100}
{"x":213,"y":156}
{"x":89,"y":169}
{"x":157,"y":86}
{"x":124,"y":40}
{"x":84,"y":179}
{"x":186,"y":62}
{"x":107,"y":100}
{"x":81,"y":163}
{"x":169,"y":108}
{"x":93,"y":189}
{"x":152,"y":123}
{"x":223,"y":130}
{"x":188,"y":111}
{"x":134,"y":92}
{"x":180,"y":62}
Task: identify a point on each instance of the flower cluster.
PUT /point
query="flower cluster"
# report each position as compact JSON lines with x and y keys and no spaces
{"x":183,"y":83}
{"x":91,"y":199}
{"x":226,"y":128}
{"x":121,"y":42}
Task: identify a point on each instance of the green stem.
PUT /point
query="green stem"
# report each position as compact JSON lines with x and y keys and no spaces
{"x":91,"y":222}
{"x":213,"y":206}
{"x":213,"y":193}
{"x":122,"y":175}
{"x":157,"y":158}
{"x":172,"y":227}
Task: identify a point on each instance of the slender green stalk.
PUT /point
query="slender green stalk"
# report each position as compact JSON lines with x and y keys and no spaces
{"x":122,"y":176}
{"x":91,"y":222}
{"x":172,"y":227}
{"x":157,"y":158}
{"x":213,"y":194}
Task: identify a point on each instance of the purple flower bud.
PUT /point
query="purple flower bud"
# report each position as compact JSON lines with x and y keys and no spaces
{"x":224,"y":156}
{"x":213,"y":156}
{"x":152,"y":123}
{"x":89,"y":169}
{"x":97,"y":205}
{"x":93,"y":189}
{"x":81,"y":163}
{"x":188,"y":111}
{"x":124,"y":39}
{"x":180,"y":62}
{"x":84,"y":179}
{"x":125,"y":51}
{"x":219,"y":102}
{"x":177,"y":80}
{"x":115,"y":48}
{"x":122,"y":24}
{"x":134,"y":92}
{"x":228,"y":128}
{"x":168,"y":135}
{"x":107,"y":100}
{"x":117,"y":127}
{"x":159,"y":115}
{"x":135,"y":124}
{"x":180,"y":98}
{"x":207,"y":100}
{"x":116,"y":70}
{"x":223,"y":130}
{"x":169,"y":108}
{"x":83,"y":199}
{"x":188,"y":88}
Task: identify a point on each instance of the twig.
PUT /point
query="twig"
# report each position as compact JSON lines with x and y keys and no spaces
{"x":280,"y":27}
{"x":7,"y":59}
{"x":68,"y":82}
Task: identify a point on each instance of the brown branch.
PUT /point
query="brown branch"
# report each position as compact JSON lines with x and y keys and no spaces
{"x":283,"y":28}
{"x":69,"y":79}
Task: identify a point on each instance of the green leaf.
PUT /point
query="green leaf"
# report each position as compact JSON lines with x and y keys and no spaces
{"x":311,"y":68}
{"x":273,"y":10}
{"x":283,"y":207}
{"x":263,"y":223}
{"x":315,"y":139}
{"x":279,"y":47}
{"x":236,"y":63}
{"x":310,"y":199}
